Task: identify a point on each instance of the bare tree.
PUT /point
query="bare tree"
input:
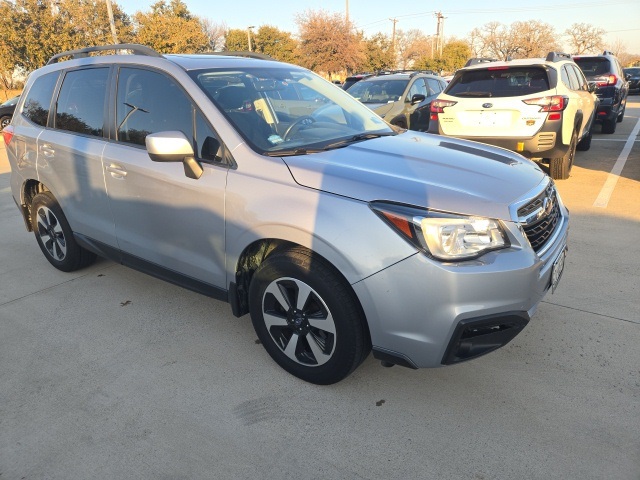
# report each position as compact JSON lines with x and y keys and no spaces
{"x":534,"y":38}
{"x":585,"y":38}
{"x":410,"y":46}
{"x":215,"y":32}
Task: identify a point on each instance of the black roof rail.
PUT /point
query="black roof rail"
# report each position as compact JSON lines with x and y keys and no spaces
{"x":239,"y":53}
{"x":608,"y":52}
{"x":84,"y":52}
{"x":557,"y":56}
{"x":476,"y":60}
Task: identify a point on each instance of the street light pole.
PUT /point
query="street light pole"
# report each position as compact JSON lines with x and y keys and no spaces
{"x":112,"y":22}
{"x":249,"y":36}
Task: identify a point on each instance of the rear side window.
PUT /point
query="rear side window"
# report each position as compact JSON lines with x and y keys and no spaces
{"x":36,"y":105}
{"x":80,"y":106}
{"x":499,"y":82}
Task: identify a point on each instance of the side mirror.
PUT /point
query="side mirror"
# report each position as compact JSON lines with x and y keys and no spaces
{"x":173,"y":146}
{"x":627,"y":76}
{"x":592,"y":87}
{"x":417,"y":98}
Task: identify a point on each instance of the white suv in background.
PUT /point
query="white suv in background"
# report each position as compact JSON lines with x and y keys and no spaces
{"x":541,"y":108}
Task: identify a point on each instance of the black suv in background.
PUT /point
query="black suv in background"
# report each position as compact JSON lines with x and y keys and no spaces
{"x":612,"y":87}
{"x":632,"y":74}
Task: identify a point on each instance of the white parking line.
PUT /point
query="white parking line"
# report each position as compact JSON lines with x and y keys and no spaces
{"x":612,"y":179}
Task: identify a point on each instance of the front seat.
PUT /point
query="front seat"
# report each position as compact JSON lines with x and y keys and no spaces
{"x":237,"y":103}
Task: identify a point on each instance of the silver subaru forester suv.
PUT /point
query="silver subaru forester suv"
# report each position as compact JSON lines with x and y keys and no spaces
{"x":261,"y":184}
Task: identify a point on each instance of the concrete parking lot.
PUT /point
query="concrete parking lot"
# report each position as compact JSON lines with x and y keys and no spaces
{"x":109,"y":373}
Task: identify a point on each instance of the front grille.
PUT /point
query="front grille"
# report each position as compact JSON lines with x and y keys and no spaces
{"x":539,"y":219}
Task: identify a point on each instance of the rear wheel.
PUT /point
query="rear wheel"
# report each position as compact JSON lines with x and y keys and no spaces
{"x":609,"y":126}
{"x":560,"y":167}
{"x":55,"y":237}
{"x":4,"y":121}
{"x":307,"y":317}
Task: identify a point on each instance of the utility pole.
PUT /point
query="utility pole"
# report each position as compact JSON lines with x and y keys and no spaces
{"x":393,"y":39}
{"x":347,"y":10}
{"x":112,"y":22}
{"x":440,"y":32}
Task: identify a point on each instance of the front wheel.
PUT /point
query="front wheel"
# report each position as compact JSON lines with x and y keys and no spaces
{"x":307,"y":317}
{"x":560,"y":167}
{"x":4,"y":121}
{"x":55,"y":237}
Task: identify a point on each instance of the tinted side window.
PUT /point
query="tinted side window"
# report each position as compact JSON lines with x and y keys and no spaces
{"x":418,"y":87}
{"x":80,"y":106}
{"x":150,"y":102}
{"x":434,"y":86}
{"x":582,"y":82}
{"x":36,"y":105}
{"x":573,"y":79}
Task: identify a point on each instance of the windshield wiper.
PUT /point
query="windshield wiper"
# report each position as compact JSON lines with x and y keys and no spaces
{"x":292,"y":152}
{"x":357,"y":138}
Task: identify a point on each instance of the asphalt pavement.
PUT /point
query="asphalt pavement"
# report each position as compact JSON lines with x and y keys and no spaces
{"x":109,"y":373}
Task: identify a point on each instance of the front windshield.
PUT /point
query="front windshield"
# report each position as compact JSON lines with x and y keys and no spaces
{"x":286,"y":109}
{"x":378,"y":91}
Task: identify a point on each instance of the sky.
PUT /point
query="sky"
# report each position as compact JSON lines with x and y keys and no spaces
{"x":619,"y":18}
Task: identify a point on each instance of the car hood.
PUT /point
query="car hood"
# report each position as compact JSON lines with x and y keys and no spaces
{"x":424,"y":170}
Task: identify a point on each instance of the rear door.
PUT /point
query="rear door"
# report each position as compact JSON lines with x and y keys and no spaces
{"x":70,"y":153}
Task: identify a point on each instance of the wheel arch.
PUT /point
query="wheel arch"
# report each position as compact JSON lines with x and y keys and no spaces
{"x":255,"y":253}
{"x":30,"y":189}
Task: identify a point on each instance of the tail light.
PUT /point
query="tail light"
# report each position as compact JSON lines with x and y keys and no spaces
{"x":606,"y":81}
{"x":7,"y":134}
{"x":438,"y":106}
{"x":555,"y":103}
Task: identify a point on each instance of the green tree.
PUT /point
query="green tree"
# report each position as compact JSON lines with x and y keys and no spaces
{"x":378,"y":53}
{"x":276,"y":43}
{"x":328,"y":43}
{"x":237,"y":40}
{"x":455,"y":54}
{"x":170,"y":28}
{"x":32,"y":31}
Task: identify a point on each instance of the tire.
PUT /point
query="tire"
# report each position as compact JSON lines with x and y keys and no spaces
{"x":55,"y":237}
{"x":307,"y":317}
{"x":560,"y":167}
{"x":609,"y":126}
{"x":585,"y":143}
{"x":4,"y":121}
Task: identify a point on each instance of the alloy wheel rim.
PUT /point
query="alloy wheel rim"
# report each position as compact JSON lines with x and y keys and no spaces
{"x":299,"y":322}
{"x":51,"y":234}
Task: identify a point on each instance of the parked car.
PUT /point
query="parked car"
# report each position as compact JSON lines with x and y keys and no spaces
{"x":543,"y":109}
{"x":355,"y":78}
{"x":401,"y":98}
{"x":6,"y":111}
{"x":336,"y":233}
{"x":612,"y":87}
{"x":632,"y":74}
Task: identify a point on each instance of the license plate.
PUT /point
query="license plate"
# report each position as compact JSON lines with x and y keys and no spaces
{"x":557,"y":269}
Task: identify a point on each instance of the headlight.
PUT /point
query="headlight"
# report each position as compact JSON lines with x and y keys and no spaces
{"x":444,"y":236}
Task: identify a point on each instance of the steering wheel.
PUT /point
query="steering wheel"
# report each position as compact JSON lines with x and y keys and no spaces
{"x":295,"y":126}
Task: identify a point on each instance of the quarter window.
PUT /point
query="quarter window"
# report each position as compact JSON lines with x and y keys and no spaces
{"x":80,"y":106}
{"x":38,"y":101}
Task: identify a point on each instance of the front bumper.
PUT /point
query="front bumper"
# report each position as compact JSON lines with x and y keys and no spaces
{"x":424,"y":313}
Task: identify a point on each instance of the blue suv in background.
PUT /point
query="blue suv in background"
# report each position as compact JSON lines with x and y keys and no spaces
{"x":612,"y":87}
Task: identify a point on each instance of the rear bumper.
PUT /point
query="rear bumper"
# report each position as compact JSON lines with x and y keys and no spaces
{"x":547,"y":143}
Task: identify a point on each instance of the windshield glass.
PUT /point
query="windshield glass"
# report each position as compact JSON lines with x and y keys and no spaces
{"x":287,"y":109}
{"x":378,"y":91}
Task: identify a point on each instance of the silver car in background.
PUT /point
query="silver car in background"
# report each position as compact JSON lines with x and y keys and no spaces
{"x":261,"y":184}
